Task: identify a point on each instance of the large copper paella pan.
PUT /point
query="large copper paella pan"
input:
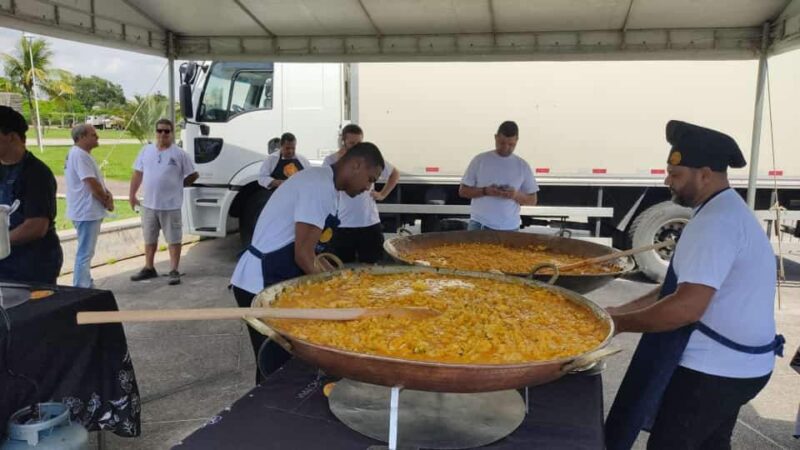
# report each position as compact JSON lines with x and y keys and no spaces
{"x":399,"y":246}
{"x":423,"y":375}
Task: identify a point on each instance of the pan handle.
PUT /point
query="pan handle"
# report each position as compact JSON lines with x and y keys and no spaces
{"x":586,"y":361}
{"x":262,"y":328}
{"x":541,"y":266}
{"x":332,"y":259}
{"x":403,"y":231}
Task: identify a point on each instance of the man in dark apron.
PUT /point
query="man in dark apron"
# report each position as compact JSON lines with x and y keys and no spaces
{"x":35,"y":249}
{"x":279,"y":166}
{"x":293,"y":227}
{"x":709,"y":340}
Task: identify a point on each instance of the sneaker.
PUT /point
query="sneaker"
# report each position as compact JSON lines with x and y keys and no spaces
{"x":145,"y":274}
{"x":174,"y":278}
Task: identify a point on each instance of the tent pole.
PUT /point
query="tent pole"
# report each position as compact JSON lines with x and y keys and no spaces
{"x":171,"y":74}
{"x":757,"y":114}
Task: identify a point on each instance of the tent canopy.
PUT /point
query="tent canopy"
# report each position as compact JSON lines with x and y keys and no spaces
{"x":409,"y":30}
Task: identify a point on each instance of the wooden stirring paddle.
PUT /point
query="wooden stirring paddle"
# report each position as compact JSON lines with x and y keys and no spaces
{"x":163,"y":315}
{"x":616,"y":255}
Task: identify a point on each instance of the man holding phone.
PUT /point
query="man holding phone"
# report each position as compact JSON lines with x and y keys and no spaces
{"x":498,"y":182}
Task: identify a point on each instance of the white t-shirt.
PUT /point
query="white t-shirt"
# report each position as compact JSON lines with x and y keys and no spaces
{"x":308,"y":197}
{"x":361,"y":210}
{"x":269,"y":164}
{"x":489,"y":168}
{"x":724,"y":247}
{"x":81,"y":204}
{"x":164,"y":172}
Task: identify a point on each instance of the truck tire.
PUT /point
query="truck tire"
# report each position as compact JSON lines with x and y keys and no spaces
{"x":657,"y":223}
{"x":248,"y":216}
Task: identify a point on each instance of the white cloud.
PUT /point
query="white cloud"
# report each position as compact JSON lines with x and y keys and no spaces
{"x":136,"y":73}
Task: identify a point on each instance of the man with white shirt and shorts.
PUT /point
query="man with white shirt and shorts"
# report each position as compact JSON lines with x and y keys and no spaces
{"x":164,"y":169}
{"x":289,"y":230}
{"x":360,"y":234}
{"x":497,"y":182}
{"x":709,"y":340}
{"x":87,"y":200}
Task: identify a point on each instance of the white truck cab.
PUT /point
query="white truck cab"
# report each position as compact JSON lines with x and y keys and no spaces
{"x":235,"y":112}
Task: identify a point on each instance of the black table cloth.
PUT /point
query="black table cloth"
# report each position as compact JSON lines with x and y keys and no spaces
{"x":87,"y":367}
{"x":289,"y":411}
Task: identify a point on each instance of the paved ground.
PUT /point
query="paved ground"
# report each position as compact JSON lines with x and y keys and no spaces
{"x":189,"y":371}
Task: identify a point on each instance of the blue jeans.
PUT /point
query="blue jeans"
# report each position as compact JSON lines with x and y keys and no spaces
{"x":88,"y":231}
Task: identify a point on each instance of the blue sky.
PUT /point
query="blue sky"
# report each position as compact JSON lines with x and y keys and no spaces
{"x":135,"y":72}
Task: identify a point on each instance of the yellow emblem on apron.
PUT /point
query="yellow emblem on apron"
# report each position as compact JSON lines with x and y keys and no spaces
{"x":326,"y":236}
{"x":290,"y":169}
{"x":675,"y":158}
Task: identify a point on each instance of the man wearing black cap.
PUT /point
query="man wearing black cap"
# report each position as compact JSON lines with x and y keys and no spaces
{"x":35,"y":249}
{"x":709,"y":340}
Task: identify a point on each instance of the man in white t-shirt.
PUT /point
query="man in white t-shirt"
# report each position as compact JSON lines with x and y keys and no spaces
{"x":164,"y":169}
{"x":709,"y":340}
{"x":87,"y":200}
{"x":279,"y":166}
{"x":360,"y":234}
{"x":290,"y":227}
{"x":498,"y":182}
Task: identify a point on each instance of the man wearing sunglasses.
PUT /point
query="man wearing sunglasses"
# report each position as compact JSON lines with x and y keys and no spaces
{"x":164,"y":169}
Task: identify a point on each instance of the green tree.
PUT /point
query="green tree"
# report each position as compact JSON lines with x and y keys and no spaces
{"x":33,"y":59}
{"x":143,"y":113}
{"x":7,"y":85}
{"x":94,"y":91}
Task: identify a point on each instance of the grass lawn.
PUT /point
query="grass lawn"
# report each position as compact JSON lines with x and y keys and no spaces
{"x":119,"y":165}
{"x":64,"y":133}
{"x":121,"y":208}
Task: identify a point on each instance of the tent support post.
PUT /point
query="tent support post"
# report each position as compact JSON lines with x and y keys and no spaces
{"x":757,"y":114}
{"x":171,"y":74}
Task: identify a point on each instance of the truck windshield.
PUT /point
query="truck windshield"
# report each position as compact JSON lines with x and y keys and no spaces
{"x":233,"y":89}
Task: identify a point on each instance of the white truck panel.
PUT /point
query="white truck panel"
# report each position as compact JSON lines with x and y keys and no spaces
{"x":574,"y":117}
{"x":313,"y":102}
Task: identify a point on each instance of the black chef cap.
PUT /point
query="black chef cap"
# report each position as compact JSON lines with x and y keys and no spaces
{"x":694,"y":146}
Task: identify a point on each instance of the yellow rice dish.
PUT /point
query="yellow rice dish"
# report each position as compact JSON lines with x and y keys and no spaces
{"x":485,"y":257}
{"x":481,"y":322}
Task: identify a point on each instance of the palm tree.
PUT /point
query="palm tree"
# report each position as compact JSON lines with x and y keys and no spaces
{"x":143,"y":113}
{"x":56,"y":84}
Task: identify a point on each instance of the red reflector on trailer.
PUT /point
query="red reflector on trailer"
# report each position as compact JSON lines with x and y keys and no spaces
{"x":431,"y":169}
{"x":542,"y":170}
{"x":599,"y":170}
{"x":658,"y":171}
{"x":775,"y":173}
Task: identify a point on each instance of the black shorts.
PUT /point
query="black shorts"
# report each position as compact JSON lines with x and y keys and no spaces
{"x":699,"y":411}
{"x":363,"y":244}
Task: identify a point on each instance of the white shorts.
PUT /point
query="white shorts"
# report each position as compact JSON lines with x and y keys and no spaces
{"x":166,"y":220}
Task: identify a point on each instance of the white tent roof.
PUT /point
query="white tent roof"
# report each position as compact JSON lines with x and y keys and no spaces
{"x":405,"y":30}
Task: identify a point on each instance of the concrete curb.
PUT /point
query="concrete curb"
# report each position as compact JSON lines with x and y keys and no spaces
{"x":118,"y":240}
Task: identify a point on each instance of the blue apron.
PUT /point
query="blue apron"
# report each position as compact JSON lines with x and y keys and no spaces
{"x":277,"y":266}
{"x":653,"y":363}
{"x":23,"y":264}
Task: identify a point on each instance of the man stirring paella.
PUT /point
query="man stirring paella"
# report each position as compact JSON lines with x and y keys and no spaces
{"x":298,"y":216}
{"x":709,"y":340}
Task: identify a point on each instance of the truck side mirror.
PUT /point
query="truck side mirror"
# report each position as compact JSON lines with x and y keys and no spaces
{"x":188,"y":71}
{"x":185,"y":94}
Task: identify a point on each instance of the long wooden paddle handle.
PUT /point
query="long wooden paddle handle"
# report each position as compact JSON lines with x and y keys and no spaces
{"x":616,"y":255}
{"x":162,"y":315}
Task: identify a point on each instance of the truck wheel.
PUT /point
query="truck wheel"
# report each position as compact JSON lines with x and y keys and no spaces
{"x":657,"y":223}
{"x":248,"y":217}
